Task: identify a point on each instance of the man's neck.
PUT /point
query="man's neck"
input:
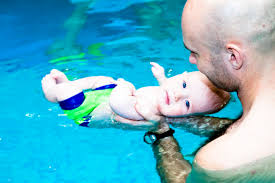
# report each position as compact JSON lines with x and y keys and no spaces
{"x":259,"y":92}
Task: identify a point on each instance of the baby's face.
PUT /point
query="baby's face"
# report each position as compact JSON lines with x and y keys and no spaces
{"x":185,"y":94}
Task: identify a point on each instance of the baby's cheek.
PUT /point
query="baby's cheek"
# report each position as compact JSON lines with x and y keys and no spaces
{"x":184,"y":110}
{"x":205,"y":107}
{"x":178,"y":110}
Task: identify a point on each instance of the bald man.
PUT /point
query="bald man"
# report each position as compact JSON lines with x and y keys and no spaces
{"x":232,"y":43}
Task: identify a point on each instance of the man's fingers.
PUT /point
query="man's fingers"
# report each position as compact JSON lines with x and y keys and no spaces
{"x":135,"y":125}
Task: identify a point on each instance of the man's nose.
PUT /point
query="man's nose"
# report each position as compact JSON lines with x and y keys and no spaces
{"x":192,"y":59}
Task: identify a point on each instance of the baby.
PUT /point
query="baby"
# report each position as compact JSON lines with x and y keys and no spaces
{"x":183,"y":94}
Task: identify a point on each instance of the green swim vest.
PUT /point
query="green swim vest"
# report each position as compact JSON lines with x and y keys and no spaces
{"x":92,"y":100}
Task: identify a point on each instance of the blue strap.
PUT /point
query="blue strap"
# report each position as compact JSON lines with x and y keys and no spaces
{"x":105,"y":87}
{"x":85,"y":124}
{"x":75,"y":101}
{"x":72,"y":102}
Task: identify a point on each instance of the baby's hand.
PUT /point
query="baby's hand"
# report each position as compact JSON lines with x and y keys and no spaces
{"x":125,"y":84}
{"x":147,"y":110}
{"x":158,"y":72}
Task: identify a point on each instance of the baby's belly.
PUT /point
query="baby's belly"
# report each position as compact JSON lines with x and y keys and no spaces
{"x":102,"y":112}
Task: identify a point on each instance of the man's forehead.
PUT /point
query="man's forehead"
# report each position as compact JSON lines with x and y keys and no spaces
{"x":194,"y":27}
{"x":193,"y":17}
{"x":194,"y":5}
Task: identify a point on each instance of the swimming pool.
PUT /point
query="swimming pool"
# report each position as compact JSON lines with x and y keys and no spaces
{"x":38,"y":143}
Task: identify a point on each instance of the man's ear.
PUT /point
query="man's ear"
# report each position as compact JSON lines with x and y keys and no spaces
{"x":236,"y":57}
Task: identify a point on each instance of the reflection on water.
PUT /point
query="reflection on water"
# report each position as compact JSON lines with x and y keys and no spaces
{"x":68,"y":45}
{"x":150,"y":31}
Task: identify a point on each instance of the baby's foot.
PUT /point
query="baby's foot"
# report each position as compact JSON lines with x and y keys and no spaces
{"x":59,"y":76}
{"x":48,"y":83}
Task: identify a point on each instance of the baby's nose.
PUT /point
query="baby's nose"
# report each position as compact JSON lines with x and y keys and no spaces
{"x":180,"y":95}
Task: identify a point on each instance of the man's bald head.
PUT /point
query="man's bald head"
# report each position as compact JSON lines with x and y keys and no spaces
{"x":251,"y":21}
{"x":230,"y":40}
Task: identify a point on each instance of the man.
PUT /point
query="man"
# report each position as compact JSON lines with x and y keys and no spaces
{"x":232,"y":43}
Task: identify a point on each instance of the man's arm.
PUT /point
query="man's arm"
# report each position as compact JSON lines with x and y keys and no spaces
{"x":201,"y":125}
{"x":170,"y":163}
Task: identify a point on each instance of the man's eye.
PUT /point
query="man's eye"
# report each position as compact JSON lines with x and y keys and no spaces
{"x":184,"y":84}
{"x":187,"y":103}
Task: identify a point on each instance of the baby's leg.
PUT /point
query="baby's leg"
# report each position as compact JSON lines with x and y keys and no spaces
{"x":57,"y":87}
{"x":48,"y":85}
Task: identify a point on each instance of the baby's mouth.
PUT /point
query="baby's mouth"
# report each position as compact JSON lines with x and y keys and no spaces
{"x":167,"y":100}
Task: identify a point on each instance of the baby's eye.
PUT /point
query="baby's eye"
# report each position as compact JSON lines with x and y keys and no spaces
{"x":184,"y":84}
{"x":187,"y":103}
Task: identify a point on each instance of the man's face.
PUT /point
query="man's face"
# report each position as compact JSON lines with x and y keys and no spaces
{"x":185,"y":94}
{"x":208,"y":60}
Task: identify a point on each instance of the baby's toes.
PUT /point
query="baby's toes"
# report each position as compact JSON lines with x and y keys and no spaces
{"x":55,"y":71}
{"x":47,"y":82}
{"x":59,"y":76}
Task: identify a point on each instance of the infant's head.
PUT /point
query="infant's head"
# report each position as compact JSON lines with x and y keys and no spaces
{"x":190,"y":93}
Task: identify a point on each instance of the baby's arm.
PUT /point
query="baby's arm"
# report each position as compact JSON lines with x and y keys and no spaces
{"x":56,"y":86}
{"x":158,"y":72}
{"x":123,"y":101}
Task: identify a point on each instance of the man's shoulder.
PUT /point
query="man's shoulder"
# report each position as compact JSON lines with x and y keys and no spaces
{"x":230,"y":151}
{"x":213,"y":155}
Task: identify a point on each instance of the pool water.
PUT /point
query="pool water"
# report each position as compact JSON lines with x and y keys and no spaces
{"x":114,"y":38}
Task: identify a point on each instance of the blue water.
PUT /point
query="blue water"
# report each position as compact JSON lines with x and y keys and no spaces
{"x":39,"y":144}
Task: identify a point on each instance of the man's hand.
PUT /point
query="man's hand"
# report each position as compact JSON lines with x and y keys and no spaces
{"x":158,"y":72}
{"x":128,"y":124}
